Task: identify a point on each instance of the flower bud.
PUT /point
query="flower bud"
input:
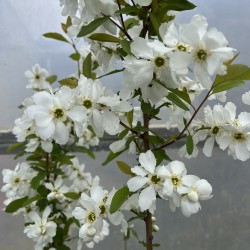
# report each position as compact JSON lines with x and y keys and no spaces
{"x":193,"y":196}
{"x":156,"y":228}
{"x":91,"y":231}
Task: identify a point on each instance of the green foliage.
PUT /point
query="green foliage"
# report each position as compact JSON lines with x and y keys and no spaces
{"x":75,"y":56}
{"x":155,"y":23}
{"x":189,"y":144}
{"x":179,"y":5}
{"x":111,"y":73}
{"x":119,"y":198}
{"x":35,"y":182}
{"x":56,"y":36}
{"x":126,"y":46}
{"x":102,"y":37}
{"x":66,"y":25}
{"x":131,"y":10}
{"x":160,"y":155}
{"x":51,"y":79}
{"x":111,"y":156}
{"x":70,"y":82}
{"x":124,"y":167}
{"x":15,"y":146}
{"x":123,"y":133}
{"x":176,"y":100}
{"x":15,"y":205}
{"x":72,"y":195}
{"x":92,"y":26}
{"x":87,"y":66}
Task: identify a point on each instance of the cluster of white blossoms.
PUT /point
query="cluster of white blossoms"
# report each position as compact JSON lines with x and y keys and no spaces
{"x":169,"y":182}
{"x":170,"y":70}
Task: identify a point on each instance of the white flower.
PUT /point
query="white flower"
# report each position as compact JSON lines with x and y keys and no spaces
{"x":57,"y":190}
{"x":246,"y":98}
{"x":43,"y":230}
{"x":200,"y":189}
{"x":37,"y":78}
{"x":51,"y":113}
{"x":17,"y":182}
{"x":150,"y":59}
{"x":149,"y":179}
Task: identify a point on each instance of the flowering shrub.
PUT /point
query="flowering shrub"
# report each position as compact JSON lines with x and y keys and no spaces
{"x":166,"y":68}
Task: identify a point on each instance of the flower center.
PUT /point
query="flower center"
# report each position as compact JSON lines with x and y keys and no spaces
{"x":91,"y":217}
{"x":159,"y":61}
{"x":182,"y":48}
{"x":37,"y":77}
{"x":103,"y":209}
{"x":215,"y":130}
{"x":17,"y":180}
{"x":155,"y":179}
{"x":87,"y":104}
{"x":239,"y":137}
{"x":58,"y":113}
{"x":201,"y":54}
{"x":175,"y":180}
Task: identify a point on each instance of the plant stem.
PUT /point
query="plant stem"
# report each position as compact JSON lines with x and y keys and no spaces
{"x":149,"y":231}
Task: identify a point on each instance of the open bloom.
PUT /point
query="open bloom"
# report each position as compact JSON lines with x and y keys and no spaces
{"x":149,"y":179}
{"x":42,"y":230}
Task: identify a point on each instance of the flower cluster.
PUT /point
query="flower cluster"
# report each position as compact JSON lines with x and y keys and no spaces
{"x":166,"y":69}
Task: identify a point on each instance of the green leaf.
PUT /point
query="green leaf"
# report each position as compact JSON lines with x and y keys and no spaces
{"x":161,"y":155}
{"x":42,"y":204}
{"x":130,"y":117}
{"x":223,"y":86}
{"x":66,"y":25}
{"x":146,"y":107}
{"x":120,"y":196}
{"x":15,"y":205}
{"x":51,"y":79}
{"x":179,"y":5}
{"x":72,"y":195}
{"x":237,"y":72}
{"x":128,"y":10}
{"x":75,"y":56}
{"x":102,"y":37}
{"x":111,"y":73}
{"x":15,"y":146}
{"x":176,"y":100}
{"x":126,"y":46}
{"x":56,"y":36}
{"x":87,"y":66}
{"x":70,"y":82}
{"x":35,"y":182}
{"x":123,"y":133}
{"x":30,"y":200}
{"x":112,"y":156}
{"x":155,"y":24}
{"x":87,"y":29}
{"x":43,"y":191}
{"x":156,"y":140}
{"x":125,"y":168}
{"x":183,"y":95}
{"x":189,"y":144}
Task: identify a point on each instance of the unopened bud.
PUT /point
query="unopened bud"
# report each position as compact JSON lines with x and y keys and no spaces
{"x":153,"y":218}
{"x":156,"y":228}
{"x":91,"y":231}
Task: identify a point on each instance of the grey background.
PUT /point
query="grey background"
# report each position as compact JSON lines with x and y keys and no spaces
{"x":223,"y":222}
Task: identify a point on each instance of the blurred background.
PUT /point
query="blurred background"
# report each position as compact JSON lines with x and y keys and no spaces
{"x":223,"y":222}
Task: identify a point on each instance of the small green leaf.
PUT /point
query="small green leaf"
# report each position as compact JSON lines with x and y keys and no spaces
{"x":35,"y":182}
{"x":51,"y":79}
{"x":87,"y":66}
{"x":75,"y":56}
{"x":176,"y":100}
{"x":15,"y":146}
{"x":130,"y":117}
{"x":111,"y":73}
{"x":125,"y":168}
{"x":128,"y":10}
{"x":56,"y":36}
{"x":120,"y":196}
{"x":70,"y":82}
{"x":126,"y":46}
{"x":161,"y":155}
{"x":223,"y":86}
{"x":235,"y":72}
{"x":183,"y":95}
{"x":87,"y":29}
{"x":30,"y":200}
{"x":43,"y":191}
{"x":15,"y":205}
{"x":179,"y":5}
{"x":112,"y":156}
{"x":66,"y":25}
{"x":189,"y":144}
{"x":72,"y":195}
{"x":102,"y":37}
{"x":155,"y":24}
{"x":123,"y":133}
{"x":146,"y":107}
{"x":156,"y":140}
